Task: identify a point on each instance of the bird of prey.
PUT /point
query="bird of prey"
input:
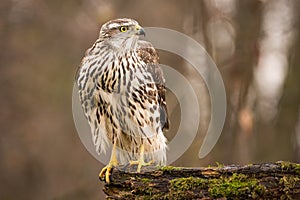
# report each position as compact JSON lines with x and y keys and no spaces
{"x":122,"y":92}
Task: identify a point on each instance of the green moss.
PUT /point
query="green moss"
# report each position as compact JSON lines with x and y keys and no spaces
{"x":238,"y":185}
{"x":168,"y":168}
{"x":142,"y":189}
{"x":158,"y":196}
{"x":179,"y":187}
{"x":285,"y":165}
{"x":289,"y":183}
{"x":297,"y":169}
{"x":145,"y":190}
{"x":219,"y":165}
{"x":145,"y":180}
{"x":189,"y":183}
{"x":148,"y":194}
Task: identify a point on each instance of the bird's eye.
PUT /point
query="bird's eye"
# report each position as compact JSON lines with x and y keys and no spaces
{"x":123,"y":28}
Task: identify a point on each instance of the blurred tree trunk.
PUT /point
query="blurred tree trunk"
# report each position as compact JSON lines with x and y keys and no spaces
{"x":277,"y":82}
{"x":237,"y":71}
{"x":248,"y":20}
{"x":288,"y":117}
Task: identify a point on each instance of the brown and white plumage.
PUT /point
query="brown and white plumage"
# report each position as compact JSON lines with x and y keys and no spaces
{"x":122,"y":91}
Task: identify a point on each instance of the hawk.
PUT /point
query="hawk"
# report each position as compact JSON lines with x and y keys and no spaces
{"x":122,"y":92}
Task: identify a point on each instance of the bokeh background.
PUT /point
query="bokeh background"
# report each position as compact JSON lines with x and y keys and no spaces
{"x":255,"y":44}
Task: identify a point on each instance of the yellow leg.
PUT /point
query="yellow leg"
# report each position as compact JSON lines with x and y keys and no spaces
{"x":140,"y":162}
{"x":106,"y":171}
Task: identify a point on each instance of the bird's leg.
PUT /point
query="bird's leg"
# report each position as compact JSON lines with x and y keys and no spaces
{"x":106,"y":171}
{"x":141,"y":162}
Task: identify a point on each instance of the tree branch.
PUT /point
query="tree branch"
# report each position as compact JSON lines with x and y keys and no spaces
{"x":258,"y":181}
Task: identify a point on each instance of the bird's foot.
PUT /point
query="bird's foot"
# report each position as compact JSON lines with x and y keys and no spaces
{"x":106,"y":171}
{"x":140,"y":163}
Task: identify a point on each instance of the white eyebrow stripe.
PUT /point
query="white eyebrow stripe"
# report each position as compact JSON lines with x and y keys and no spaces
{"x":115,"y":25}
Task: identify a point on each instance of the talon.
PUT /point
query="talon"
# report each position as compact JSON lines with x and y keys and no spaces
{"x":105,"y":173}
{"x":141,"y":162}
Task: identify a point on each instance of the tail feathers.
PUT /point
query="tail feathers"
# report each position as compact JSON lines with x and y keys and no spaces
{"x":101,"y":141}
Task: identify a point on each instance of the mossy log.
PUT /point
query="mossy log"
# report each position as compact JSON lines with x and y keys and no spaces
{"x":280,"y":180}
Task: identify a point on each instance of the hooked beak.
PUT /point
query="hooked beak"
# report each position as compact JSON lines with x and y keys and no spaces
{"x":140,"y":31}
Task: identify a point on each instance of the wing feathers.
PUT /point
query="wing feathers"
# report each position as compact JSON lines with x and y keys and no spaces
{"x":148,"y":54}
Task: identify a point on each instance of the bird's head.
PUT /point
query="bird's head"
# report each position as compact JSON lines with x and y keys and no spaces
{"x":121,"y":28}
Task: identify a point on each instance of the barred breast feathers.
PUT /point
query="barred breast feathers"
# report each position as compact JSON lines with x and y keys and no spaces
{"x":125,"y":81}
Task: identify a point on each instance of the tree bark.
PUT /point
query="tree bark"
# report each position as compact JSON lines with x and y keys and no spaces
{"x":256,"y":181}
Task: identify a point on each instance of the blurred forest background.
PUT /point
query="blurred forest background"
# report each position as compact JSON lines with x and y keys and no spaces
{"x":255,"y":44}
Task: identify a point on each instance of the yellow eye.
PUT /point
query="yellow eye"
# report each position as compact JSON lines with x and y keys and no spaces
{"x":123,"y":28}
